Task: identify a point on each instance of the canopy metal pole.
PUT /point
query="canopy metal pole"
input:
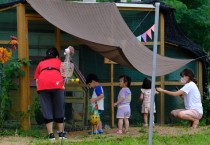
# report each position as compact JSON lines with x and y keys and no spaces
{"x":151,"y":120}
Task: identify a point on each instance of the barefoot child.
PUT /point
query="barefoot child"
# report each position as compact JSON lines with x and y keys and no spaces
{"x":123,"y":104}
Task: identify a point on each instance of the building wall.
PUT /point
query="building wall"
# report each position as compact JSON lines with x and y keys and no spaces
{"x":42,"y":36}
{"x":91,"y":62}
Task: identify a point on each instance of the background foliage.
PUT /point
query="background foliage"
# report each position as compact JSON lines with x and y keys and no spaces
{"x":193,"y":18}
{"x":9,"y":73}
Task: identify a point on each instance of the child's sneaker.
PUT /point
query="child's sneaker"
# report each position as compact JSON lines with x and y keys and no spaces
{"x":93,"y":132}
{"x":100,"y":131}
{"x":62,"y":135}
{"x":51,"y":137}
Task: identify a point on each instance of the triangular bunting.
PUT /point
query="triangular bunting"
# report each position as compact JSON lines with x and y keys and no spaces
{"x":139,"y":38}
{"x":153,"y":28}
{"x":144,"y":36}
{"x":149,"y":33}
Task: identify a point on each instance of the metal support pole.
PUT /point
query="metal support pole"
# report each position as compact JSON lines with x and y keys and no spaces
{"x":157,"y":5}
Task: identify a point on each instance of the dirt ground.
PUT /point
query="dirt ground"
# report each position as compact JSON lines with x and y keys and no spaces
{"x":134,"y":131}
{"x":161,"y":130}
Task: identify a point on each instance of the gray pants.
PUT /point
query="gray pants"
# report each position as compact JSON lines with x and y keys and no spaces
{"x":52,"y":104}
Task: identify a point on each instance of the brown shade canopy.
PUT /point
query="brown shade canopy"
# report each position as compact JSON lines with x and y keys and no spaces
{"x":102,"y":28}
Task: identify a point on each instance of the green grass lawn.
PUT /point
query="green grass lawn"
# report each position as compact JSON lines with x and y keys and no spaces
{"x":162,"y":135}
{"x":202,"y":138}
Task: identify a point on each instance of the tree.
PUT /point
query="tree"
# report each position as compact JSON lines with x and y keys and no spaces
{"x":193,"y":4}
{"x":193,"y":18}
{"x":196,"y":25}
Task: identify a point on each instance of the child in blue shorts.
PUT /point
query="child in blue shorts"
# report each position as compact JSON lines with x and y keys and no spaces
{"x":97,"y":98}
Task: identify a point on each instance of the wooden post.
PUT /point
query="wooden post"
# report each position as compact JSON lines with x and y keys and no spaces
{"x":112,"y":95}
{"x":58,"y":39}
{"x":107,"y":61}
{"x":162,"y":78}
{"x":200,"y":77}
{"x":24,"y":80}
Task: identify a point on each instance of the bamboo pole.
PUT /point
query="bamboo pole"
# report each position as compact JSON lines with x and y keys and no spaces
{"x":24,"y":80}
{"x":162,"y":78}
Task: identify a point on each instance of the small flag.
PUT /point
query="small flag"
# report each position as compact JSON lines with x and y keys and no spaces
{"x":144,"y":36}
{"x":153,"y":28}
{"x":139,"y":38}
{"x":149,"y":33}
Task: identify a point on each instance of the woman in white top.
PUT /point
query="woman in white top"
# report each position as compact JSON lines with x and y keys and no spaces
{"x":192,"y":99}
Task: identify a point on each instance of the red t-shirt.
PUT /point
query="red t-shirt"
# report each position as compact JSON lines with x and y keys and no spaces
{"x":49,"y":79}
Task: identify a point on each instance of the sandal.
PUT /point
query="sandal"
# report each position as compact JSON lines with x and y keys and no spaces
{"x":126,"y":131}
{"x":145,"y":125}
{"x":119,"y":131}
